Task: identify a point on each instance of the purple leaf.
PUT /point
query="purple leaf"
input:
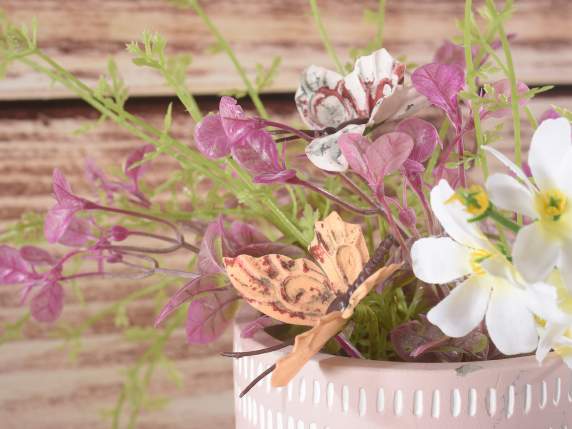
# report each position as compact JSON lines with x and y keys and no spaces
{"x":77,"y":233}
{"x":257,"y":153}
{"x":60,"y":216}
{"x":476,"y":344}
{"x":502,"y":91}
{"x":413,"y":339}
{"x":239,"y":235}
{"x":353,"y":147}
{"x":251,"y":328}
{"x":241,"y":238}
{"x":47,"y":304}
{"x":14,"y":269}
{"x":209,"y":316}
{"x":188,"y":291}
{"x":210,"y":253}
{"x":235,"y":123}
{"x":425,"y":137}
{"x":98,"y":178}
{"x":36,"y":256}
{"x":441,"y":83}
{"x":211,"y":139}
{"x":135,"y":172}
{"x":421,"y":341}
{"x":388,"y":153}
{"x":449,"y":53}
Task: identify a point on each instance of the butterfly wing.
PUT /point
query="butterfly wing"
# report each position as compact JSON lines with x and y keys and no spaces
{"x":293,"y":291}
{"x":340,"y":249}
{"x":307,"y":345}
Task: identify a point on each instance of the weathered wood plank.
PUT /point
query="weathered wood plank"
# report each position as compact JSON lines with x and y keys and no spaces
{"x":82,"y":34}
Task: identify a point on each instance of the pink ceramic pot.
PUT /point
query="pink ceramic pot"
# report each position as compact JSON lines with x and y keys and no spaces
{"x":342,"y":393}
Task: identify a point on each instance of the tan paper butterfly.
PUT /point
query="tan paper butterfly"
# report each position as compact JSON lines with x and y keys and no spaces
{"x":300,"y":292}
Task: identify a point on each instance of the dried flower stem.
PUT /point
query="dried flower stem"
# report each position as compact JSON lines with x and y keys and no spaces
{"x":335,"y":199}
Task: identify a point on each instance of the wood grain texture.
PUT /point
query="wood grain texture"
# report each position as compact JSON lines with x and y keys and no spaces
{"x":40,"y":387}
{"x":82,"y":34}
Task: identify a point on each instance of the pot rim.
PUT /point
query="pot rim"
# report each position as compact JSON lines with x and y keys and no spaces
{"x":262,"y":340}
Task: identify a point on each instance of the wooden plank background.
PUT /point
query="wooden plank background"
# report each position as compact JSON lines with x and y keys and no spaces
{"x":81,"y":34}
{"x":40,"y":388}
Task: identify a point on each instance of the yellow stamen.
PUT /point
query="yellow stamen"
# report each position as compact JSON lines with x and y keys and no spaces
{"x":551,"y":204}
{"x":475,"y":199}
{"x":477,"y":257}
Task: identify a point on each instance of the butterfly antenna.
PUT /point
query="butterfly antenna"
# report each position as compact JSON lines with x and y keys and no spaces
{"x":373,"y":264}
{"x":238,"y":355}
{"x":341,"y":302}
{"x":256,"y":380}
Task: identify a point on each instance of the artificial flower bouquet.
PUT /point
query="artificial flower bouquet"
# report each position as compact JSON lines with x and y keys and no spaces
{"x":374,"y":231}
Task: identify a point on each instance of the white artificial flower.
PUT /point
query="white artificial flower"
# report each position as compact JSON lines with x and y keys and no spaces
{"x":547,"y":241}
{"x":552,"y":303}
{"x":372,"y":93}
{"x":488,"y":287}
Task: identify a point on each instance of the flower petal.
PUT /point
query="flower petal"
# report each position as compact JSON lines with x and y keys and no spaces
{"x":374,"y":77}
{"x":548,"y":339}
{"x":543,"y":300}
{"x":535,"y":256}
{"x":462,"y":310}
{"x":507,"y":193}
{"x":319,"y":99}
{"x":324,"y":152}
{"x":563,"y":176}
{"x":511,"y":166}
{"x":509,"y":320}
{"x":550,"y":144}
{"x":454,"y":218}
{"x":565,"y":264}
{"x":439,"y":260}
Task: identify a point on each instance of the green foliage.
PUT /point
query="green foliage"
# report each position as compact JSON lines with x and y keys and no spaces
{"x":378,"y":314}
{"x":29,"y":229}
{"x":151,"y":53}
{"x":375,"y":18}
{"x":15,"y":41}
{"x":13,"y":331}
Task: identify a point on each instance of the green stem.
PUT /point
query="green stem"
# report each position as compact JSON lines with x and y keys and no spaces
{"x":471,"y":75}
{"x":252,"y":91}
{"x":324,"y":36}
{"x":185,"y":96}
{"x":531,"y":119}
{"x":380,"y":24}
{"x":515,"y":97}
{"x":443,"y":129}
{"x":281,"y":220}
{"x":501,"y":220}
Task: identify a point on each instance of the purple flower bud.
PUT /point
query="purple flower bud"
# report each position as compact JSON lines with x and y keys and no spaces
{"x":407,"y":217}
{"x":119,"y":233}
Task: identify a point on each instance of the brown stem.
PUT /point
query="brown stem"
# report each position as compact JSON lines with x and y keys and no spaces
{"x":256,"y":380}
{"x":238,"y":355}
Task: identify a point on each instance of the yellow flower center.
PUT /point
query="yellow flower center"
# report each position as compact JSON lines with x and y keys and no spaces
{"x":477,"y":257}
{"x":539,"y":321}
{"x":551,"y":204}
{"x":475,"y":199}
